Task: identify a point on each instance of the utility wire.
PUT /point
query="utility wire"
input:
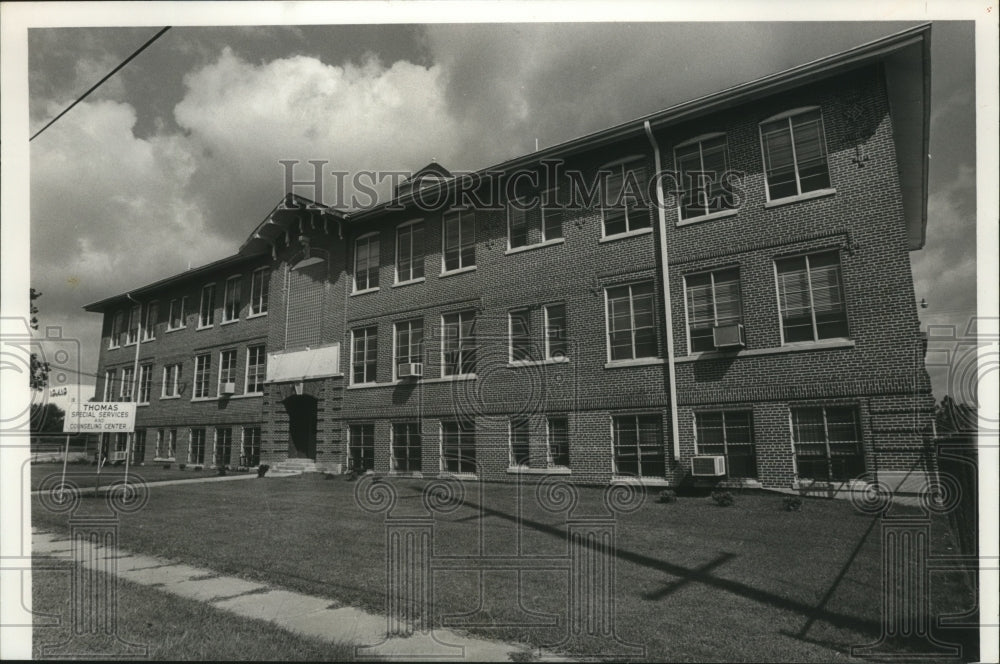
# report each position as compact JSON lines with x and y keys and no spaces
{"x":98,"y":84}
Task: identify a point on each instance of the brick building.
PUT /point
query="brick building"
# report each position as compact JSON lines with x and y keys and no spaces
{"x":758,"y":326}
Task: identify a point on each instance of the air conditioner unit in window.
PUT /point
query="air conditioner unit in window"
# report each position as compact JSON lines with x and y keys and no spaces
{"x":410,"y":370}
{"x":728,"y":336}
{"x":227,"y":388}
{"x":117,"y":455}
{"x":708,"y":466}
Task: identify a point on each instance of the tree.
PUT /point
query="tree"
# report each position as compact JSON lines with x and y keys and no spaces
{"x":952,"y":416}
{"x":47,"y":418}
{"x":39,"y":377}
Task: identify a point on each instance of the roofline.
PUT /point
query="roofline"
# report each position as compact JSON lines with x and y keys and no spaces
{"x":771,"y":83}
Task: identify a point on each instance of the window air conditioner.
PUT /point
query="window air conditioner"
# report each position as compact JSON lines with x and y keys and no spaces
{"x":708,"y":466}
{"x":227,"y":388}
{"x":729,"y":336}
{"x":410,"y":370}
{"x":117,"y":455}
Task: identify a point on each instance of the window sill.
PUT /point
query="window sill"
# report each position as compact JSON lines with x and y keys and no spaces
{"x":622,"y":236}
{"x":819,"y":193}
{"x":176,"y":329}
{"x":537,"y":363}
{"x":639,"y":362}
{"x":113,"y":347}
{"x":362,"y":386}
{"x":247,"y":396}
{"x":148,"y":339}
{"x":461,"y":270}
{"x":195,"y":399}
{"x":229,"y":322}
{"x":166,"y":398}
{"x":204,"y":327}
{"x":640,"y":481}
{"x":722,"y":214}
{"x":164,"y":460}
{"x":459,"y":476}
{"x":554,"y":470}
{"x":257,"y":315}
{"x":366,"y":291}
{"x":537,"y":245}
{"x":829,"y":344}
{"x":450,"y":379}
{"x":408,"y":282}
{"x":141,"y":404}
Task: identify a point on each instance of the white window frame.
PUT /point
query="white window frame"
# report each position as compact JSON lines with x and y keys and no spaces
{"x":208,"y":381}
{"x":148,"y":332}
{"x":392,"y":446}
{"x":183,"y":317}
{"x":510,"y":444}
{"x":638,"y":414}
{"x":548,"y":350}
{"x":173,"y":393}
{"x":455,"y":376}
{"x":257,"y":306}
{"x":548,"y":440}
{"x":409,"y":225}
{"x":226,"y":318}
{"x":441,"y":460}
{"x":222,"y":355}
{"x":201,"y":307}
{"x":812,"y":305}
{"x":788,"y":115}
{"x":354,"y":341}
{"x":510,"y":334}
{"x":395,"y":343}
{"x":607,"y":323}
{"x":444,"y":237}
{"x":629,"y":231}
{"x":715,"y":312}
{"x":117,"y":323}
{"x":130,"y":373}
{"x":701,"y":160}
{"x":246,"y":380}
{"x":367,"y":238}
{"x":145,"y":380}
{"x":135,"y":312}
{"x":109,"y":382}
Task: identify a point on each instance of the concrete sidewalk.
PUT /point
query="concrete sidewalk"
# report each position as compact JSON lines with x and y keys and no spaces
{"x":302,"y":614}
{"x":194,"y":480}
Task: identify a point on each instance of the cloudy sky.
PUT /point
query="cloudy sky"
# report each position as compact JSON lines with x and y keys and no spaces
{"x":175,"y":159}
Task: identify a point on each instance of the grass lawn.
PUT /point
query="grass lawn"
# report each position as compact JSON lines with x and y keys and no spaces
{"x":171,"y":627}
{"x":84,"y":475}
{"x":695,"y":581}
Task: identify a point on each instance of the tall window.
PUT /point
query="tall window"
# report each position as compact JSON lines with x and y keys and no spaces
{"x":366,"y":260}
{"x":702,"y":164}
{"x":161,"y":443}
{"x":557,"y":439}
{"x":729,"y":434}
{"x":109,"y":385}
{"x":624,"y":210}
{"x":638,"y":443}
{"x":251,"y":446}
{"x":134,"y":322}
{"x":361,"y":445}
{"x":519,"y":324}
{"x":555,"y":331}
{"x":256,"y":369}
{"x":171,"y":450}
{"x":223,"y":446}
{"x":196,"y":451}
{"x":811,"y":298}
{"x":171,"y":377}
{"x":177,"y":313}
{"x":519,"y":443}
{"x":713,"y":299}
{"x":128,"y":374}
{"x":794,"y":154}
{"x":409,"y":343}
{"x":231,"y":300}
{"x":410,"y":252}
{"x":459,"y":240}
{"x":260,"y":283}
{"x":827,"y":442}
{"x":206,"y":312}
{"x":145,"y":382}
{"x":406,"y":446}
{"x":117,"y":330}
{"x":458,"y":447}
{"x":631,"y":331}
{"x":150,"y":321}
{"x":202,"y":375}
{"x":139,"y":446}
{"x":364,"y":355}
{"x":227,"y":366}
{"x":458,"y":356}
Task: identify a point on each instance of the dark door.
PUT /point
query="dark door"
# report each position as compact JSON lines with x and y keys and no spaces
{"x":301,"y":411}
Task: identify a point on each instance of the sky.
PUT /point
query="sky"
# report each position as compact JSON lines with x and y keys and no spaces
{"x":174,"y":160}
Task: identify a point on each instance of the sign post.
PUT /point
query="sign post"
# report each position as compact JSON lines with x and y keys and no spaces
{"x":99,"y":417}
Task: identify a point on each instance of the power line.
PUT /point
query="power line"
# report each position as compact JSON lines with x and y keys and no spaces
{"x":98,"y":84}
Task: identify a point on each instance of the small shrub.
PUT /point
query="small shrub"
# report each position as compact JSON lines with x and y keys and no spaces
{"x":667,"y":496}
{"x":792,"y":503}
{"x":182,"y":466}
{"x":166,"y":466}
{"x":723,"y":498}
{"x":198,"y":468}
{"x":262,"y":469}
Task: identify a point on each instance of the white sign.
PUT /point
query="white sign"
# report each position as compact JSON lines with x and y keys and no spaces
{"x":58,"y":391}
{"x":100,"y":417}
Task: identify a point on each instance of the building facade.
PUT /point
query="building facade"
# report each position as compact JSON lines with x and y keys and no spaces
{"x":719,"y":291}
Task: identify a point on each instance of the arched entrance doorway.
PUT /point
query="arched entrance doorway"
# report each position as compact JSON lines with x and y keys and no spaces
{"x":301,"y":409}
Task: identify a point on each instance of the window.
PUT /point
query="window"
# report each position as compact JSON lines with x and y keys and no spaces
{"x":366,"y":260}
{"x":117,"y":329}
{"x":260,"y":283}
{"x":134,"y":321}
{"x":624,"y":210}
{"x":702,"y":164}
{"x":109,"y":385}
{"x":145,"y":382}
{"x":532,"y":218}
{"x":223,"y":446}
{"x":139,"y":446}
{"x":410,"y":252}
{"x":713,"y":299}
{"x":206,"y":312}
{"x":519,"y":447}
{"x":178,"y":308}
{"x":458,"y":350}
{"x":794,"y":154}
{"x":519,"y":328}
{"x":459,"y":240}
{"x":171,"y":376}
{"x":406,"y":446}
{"x":202,"y":372}
{"x":810,"y":298}
{"x":557,"y":440}
{"x":171,"y":444}
{"x":728,"y":434}
{"x":409,"y":344}
{"x":555,"y":331}
{"x":150,"y":321}
{"x":161,"y":443}
{"x":231,"y":300}
{"x":251,"y":446}
{"x":827,"y":442}
{"x":227,"y":367}
{"x":458,"y":447}
{"x":631,"y":333}
{"x":196,"y":451}
{"x":256,"y":370}
{"x":638,"y":444}
{"x":128,"y":373}
{"x":365,"y":355}
{"x":362,"y":447}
